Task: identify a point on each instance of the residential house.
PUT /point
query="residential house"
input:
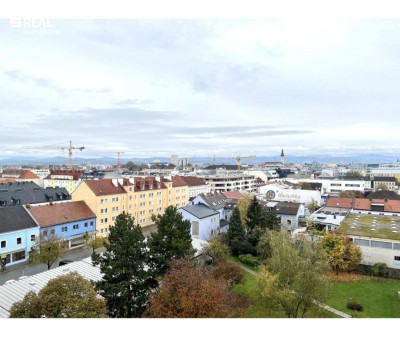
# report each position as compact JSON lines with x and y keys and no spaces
{"x":23,"y":193}
{"x":290,"y":213}
{"x":20,"y":175}
{"x":205,"y":222}
{"x":196,"y":186}
{"x":18,"y":233}
{"x":70,"y":221}
{"x":383,"y":183}
{"x":106,"y":198}
{"x":70,"y":179}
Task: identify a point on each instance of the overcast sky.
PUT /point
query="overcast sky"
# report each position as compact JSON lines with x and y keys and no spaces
{"x":200,"y":87}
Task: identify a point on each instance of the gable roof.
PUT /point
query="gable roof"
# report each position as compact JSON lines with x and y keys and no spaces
{"x":215,"y":201}
{"x":21,"y":173}
{"x":193,"y":181}
{"x":200,"y":211}
{"x":104,"y":187}
{"x":289,"y":208}
{"x":14,"y":219}
{"x":339,"y":202}
{"x":75,"y":174}
{"x":233,"y":194}
{"x":59,"y":213}
{"x":22,"y":193}
{"x":28,"y":174}
{"x":177,"y":181}
{"x":384,"y":194}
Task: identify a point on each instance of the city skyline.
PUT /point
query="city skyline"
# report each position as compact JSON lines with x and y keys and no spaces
{"x":192,"y":87}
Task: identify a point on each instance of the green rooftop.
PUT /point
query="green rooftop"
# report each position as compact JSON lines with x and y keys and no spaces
{"x":370,"y":225}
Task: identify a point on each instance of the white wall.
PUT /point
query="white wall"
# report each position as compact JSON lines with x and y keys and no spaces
{"x":292,"y":195}
{"x":205,"y":224}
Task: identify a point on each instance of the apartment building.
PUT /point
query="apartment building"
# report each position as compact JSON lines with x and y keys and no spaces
{"x":196,"y":186}
{"x":69,"y":179}
{"x":230,"y":182}
{"x":19,"y":176}
{"x":106,"y":198}
{"x":141,"y":197}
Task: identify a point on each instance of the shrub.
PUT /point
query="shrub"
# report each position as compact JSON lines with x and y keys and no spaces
{"x":242,"y":247}
{"x":229,"y":272}
{"x":249,"y":260}
{"x":357,"y":314}
{"x":380,"y":269}
{"x":353,"y":305}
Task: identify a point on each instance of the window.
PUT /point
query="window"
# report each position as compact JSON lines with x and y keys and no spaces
{"x":288,"y":222}
{"x":52,"y":231}
{"x":195,"y":228}
{"x":91,"y":223}
{"x":397,"y":258}
{"x":361,"y":242}
{"x":76,"y":226}
{"x":381,"y":244}
{"x":18,"y":256}
{"x":44,"y":233}
{"x":3,"y":244}
{"x":86,"y":224}
{"x":64,"y":229}
{"x":33,"y":237}
{"x":19,"y":241}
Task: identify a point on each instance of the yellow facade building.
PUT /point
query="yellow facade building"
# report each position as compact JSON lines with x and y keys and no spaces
{"x":141,"y":197}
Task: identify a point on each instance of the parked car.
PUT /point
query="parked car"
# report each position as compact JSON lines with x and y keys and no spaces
{"x":64,"y":262}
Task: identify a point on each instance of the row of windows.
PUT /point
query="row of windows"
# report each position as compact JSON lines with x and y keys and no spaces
{"x":3,"y":244}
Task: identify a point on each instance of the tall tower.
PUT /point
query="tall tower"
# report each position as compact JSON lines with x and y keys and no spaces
{"x":282,"y":158}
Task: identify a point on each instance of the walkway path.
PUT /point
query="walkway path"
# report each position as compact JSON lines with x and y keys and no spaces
{"x":322,"y":305}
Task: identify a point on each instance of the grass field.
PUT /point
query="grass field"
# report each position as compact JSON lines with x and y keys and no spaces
{"x":259,"y":308}
{"x":378,"y":296}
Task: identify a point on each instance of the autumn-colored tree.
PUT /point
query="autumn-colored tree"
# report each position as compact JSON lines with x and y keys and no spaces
{"x":66,"y":296}
{"x":381,"y":186}
{"x":243,"y":204}
{"x":217,"y":250}
{"x":312,"y":206}
{"x":189,"y":291}
{"x":293,"y":277}
{"x":47,"y":250}
{"x":341,"y":252}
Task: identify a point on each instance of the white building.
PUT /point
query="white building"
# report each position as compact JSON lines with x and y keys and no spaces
{"x":230,"y":182}
{"x":203,"y":219}
{"x":196,"y":186}
{"x":338,"y":185}
{"x":275,"y":192}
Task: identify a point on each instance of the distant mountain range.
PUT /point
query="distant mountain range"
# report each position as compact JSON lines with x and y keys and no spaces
{"x":364,"y":158}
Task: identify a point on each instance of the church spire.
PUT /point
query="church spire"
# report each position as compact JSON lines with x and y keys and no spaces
{"x":282,"y":157}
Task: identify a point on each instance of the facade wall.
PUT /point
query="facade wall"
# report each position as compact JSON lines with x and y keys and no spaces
{"x":231,"y":183}
{"x":194,"y":191}
{"x":372,"y":255}
{"x":208,"y":227}
{"x":69,"y":184}
{"x":291,"y":195}
{"x":28,"y":238}
{"x":68,"y":231}
{"x":337,"y":186}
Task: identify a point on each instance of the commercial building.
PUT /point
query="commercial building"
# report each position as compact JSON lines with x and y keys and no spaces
{"x":18,"y":233}
{"x":230,"y":182}
{"x":69,"y":221}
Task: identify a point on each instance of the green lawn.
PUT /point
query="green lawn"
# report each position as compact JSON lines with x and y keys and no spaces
{"x":378,"y":297}
{"x":259,"y":308}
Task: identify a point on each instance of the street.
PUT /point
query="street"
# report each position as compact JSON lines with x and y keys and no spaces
{"x":28,"y":269}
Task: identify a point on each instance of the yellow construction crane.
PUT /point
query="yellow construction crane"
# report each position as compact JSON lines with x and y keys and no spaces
{"x":238,"y":158}
{"x":70,"y":148}
{"x":57,"y":146}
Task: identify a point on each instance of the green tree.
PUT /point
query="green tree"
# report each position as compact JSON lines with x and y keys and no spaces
{"x":351,"y":194}
{"x":125,"y":267}
{"x":341,"y":252}
{"x":354,"y":175}
{"x":272,"y":221}
{"x":312,"y":206}
{"x":380,"y":269}
{"x":94,"y":241}
{"x":236,"y":236}
{"x":47,"y":250}
{"x":243,"y":204}
{"x":217,"y":250}
{"x":171,"y":241}
{"x":255,"y":216}
{"x":292,"y":279}
{"x":131,"y":166}
{"x":66,"y":296}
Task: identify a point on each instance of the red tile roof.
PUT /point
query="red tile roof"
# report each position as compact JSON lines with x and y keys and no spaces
{"x":339,"y":202}
{"x":177,"y":181}
{"x":392,"y":206}
{"x":28,"y":175}
{"x":104,"y":187}
{"x":233,"y":194}
{"x":193,"y":181}
{"x":363,"y":204}
{"x":59,"y":213}
{"x":74,"y":173}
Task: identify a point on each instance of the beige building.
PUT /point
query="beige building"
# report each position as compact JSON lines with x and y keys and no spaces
{"x":141,"y":197}
{"x":63,"y":178}
{"x":19,"y":176}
